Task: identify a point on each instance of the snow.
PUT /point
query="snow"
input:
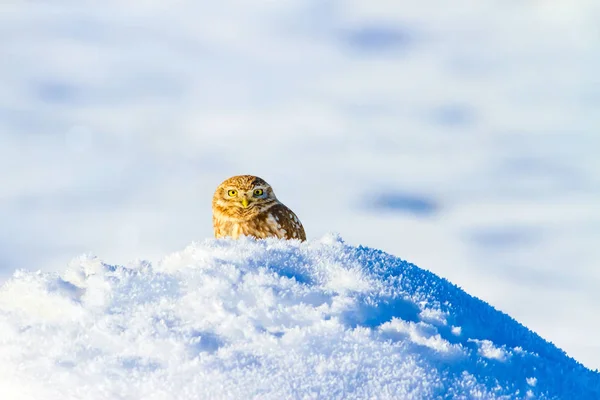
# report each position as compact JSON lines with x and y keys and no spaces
{"x":268,"y":319}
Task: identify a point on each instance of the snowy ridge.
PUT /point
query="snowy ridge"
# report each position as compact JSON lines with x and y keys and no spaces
{"x":271,"y":320}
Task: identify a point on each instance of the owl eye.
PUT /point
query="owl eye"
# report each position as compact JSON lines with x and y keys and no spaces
{"x":232,"y":192}
{"x":258,"y":192}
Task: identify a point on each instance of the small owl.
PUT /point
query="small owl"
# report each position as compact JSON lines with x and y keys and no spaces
{"x":246,"y":205}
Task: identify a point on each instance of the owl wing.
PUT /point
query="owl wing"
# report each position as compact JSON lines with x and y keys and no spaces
{"x":286,"y":223}
{"x":220,"y":227}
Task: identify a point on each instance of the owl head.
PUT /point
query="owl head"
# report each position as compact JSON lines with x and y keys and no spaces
{"x":244,"y":192}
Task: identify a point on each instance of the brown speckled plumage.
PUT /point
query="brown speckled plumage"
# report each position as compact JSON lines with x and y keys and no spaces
{"x":263,"y":216}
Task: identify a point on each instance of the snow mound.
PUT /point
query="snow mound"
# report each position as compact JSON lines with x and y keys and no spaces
{"x":268,"y":319}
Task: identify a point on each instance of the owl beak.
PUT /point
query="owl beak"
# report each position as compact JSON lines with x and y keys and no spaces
{"x":244,"y":202}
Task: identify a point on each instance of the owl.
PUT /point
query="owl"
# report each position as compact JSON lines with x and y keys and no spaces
{"x":246,"y":205}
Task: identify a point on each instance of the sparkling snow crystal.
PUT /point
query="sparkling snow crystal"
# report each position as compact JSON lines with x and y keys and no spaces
{"x":268,"y":319}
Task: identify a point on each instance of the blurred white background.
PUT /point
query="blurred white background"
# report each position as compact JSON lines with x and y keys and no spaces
{"x":461,"y":138}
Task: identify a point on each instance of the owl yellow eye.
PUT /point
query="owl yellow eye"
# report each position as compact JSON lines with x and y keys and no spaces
{"x":232,"y":193}
{"x":258,"y":192}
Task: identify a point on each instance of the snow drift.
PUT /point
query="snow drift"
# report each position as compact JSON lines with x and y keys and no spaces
{"x":268,"y":319}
